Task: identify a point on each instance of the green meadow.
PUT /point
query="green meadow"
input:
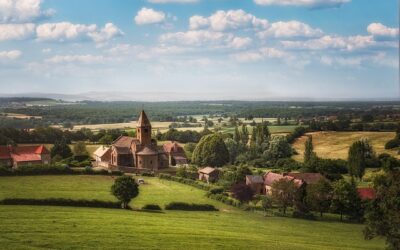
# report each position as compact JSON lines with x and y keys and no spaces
{"x":39,"y":227}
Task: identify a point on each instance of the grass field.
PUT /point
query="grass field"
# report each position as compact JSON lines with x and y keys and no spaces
{"x":336,"y":144}
{"x":37,"y":227}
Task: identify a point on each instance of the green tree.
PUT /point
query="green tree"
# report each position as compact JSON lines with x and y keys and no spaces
{"x":234,"y":148}
{"x":319,"y":196}
{"x":236,"y":135}
{"x":125,"y":189}
{"x":279,"y":148}
{"x":61,"y":148}
{"x":309,"y":150}
{"x":359,"y":152}
{"x":266,"y":203}
{"x":283,"y":193}
{"x":383,"y":214}
{"x":106,"y":139}
{"x":245,"y":134}
{"x":345,"y":199}
{"x":211,"y":151}
{"x":79,"y":149}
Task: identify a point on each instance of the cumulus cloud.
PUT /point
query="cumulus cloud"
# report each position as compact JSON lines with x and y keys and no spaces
{"x":197,"y":37}
{"x":260,"y":54}
{"x":173,"y":1}
{"x":66,"y":31}
{"x":240,"y":42}
{"x":20,"y":11}
{"x":10,"y":55}
{"x":291,"y":29}
{"x":149,"y":16}
{"x":16,"y":31}
{"x":304,"y":3}
{"x":85,"y":59}
{"x":381,"y":31}
{"x":227,"y":20}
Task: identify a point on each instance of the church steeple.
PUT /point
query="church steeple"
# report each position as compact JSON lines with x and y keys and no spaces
{"x":143,"y":129}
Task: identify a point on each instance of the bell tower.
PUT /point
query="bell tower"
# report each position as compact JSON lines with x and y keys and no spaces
{"x":143,"y":129}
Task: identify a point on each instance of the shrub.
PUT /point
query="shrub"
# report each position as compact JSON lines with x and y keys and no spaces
{"x":61,"y":202}
{"x":190,"y":207}
{"x":148,"y":174}
{"x":5,"y":171}
{"x":217,"y":190}
{"x":394,"y":143}
{"x":151,"y":207}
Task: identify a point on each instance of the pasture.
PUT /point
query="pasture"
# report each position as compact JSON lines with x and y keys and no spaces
{"x":336,"y":144}
{"x":40,"y":227}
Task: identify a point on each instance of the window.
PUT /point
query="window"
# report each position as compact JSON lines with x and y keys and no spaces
{"x":146,"y":130}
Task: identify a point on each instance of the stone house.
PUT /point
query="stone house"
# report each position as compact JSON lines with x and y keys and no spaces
{"x":255,"y":182}
{"x":208,"y":174}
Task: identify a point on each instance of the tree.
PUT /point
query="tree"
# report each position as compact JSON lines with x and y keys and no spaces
{"x":309,"y":150}
{"x":283,"y":192}
{"x":61,"y":148}
{"x":242,"y":192}
{"x":279,"y":148}
{"x":266,"y":202}
{"x":79,"y":149}
{"x":125,"y":189}
{"x":211,"y":151}
{"x":236,"y":135}
{"x":319,"y":196}
{"x":359,"y":152}
{"x":106,"y":139}
{"x":345,"y":199}
{"x":383,"y":214}
{"x":244,"y":134}
{"x":234,"y":149}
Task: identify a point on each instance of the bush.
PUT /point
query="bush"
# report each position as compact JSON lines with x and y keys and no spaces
{"x":148,"y":174}
{"x":151,"y":207}
{"x":394,"y":143}
{"x":301,"y":215}
{"x":61,"y":202}
{"x":190,"y":207}
{"x":217,"y":190}
{"x":190,"y":182}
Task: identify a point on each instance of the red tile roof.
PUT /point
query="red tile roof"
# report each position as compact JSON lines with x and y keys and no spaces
{"x":309,"y":178}
{"x":124,"y":141}
{"x":366,"y":193}
{"x":23,"y":153}
{"x":270,"y":178}
{"x":4,"y":153}
{"x":170,"y":147}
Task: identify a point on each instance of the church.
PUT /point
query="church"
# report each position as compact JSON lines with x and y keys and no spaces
{"x":142,"y":152}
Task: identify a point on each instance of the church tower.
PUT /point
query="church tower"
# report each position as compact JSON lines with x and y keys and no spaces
{"x":143,"y":129}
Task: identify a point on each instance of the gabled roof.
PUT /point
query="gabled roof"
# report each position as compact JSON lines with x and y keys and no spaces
{"x":124,"y":141}
{"x":270,"y":178}
{"x":100,"y":151}
{"x":366,"y":193}
{"x":255,"y":179}
{"x":309,"y":178}
{"x":207,"y":170}
{"x":172,"y":146}
{"x":143,"y":121}
{"x":42,"y":150}
{"x":23,"y":153}
{"x":147,"y":151}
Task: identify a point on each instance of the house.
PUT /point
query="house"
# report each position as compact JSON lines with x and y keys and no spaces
{"x":270,"y":178}
{"x":309,"y":178}
{"x":208,"y":174}
{"x":143,"y":153}
{"x":11,"y":156}
{"x":175,"y":154}
{"x":102,"y":156}
{"x":255,"y":182}
{"x":366,"y":193}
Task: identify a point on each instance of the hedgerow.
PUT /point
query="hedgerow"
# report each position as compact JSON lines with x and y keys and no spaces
{"x":190,"y":182}
{"x":189,"y":207}
{"x":61,"y":202}
{"x":52,"y":170}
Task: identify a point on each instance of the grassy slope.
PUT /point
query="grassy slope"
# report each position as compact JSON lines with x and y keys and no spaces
{"x":51,"y":227}
{"x":336,"y":144}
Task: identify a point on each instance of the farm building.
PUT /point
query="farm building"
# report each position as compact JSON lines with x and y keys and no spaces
{"x":142,"y":153}
{"x":255,"y":182}
{"x":11,"y":156}
{"x":102,"y":156}
{"x":208,"y":174}
{"x":309,"y":178}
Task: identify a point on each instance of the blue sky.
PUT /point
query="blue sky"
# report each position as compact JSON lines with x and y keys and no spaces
{"x":201,"y":49}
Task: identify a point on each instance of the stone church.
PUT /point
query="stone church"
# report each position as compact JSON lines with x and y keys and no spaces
{"x":142,"y":152}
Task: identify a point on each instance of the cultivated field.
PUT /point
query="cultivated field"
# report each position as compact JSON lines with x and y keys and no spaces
{"x":336,"y":144}
{"x":25,"y":227}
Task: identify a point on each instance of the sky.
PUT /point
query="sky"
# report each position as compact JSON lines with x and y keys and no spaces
{"x":201,"y":49}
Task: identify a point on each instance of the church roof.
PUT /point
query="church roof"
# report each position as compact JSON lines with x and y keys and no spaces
{"x":143,"y":120}
{"x":124,"y":141}
{"x":147,"y":151}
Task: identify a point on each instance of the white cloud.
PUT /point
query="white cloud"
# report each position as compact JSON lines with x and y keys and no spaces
{"x":381,"y":31}
{"x":46,"y":50}
{"x":66,"y":31}
{"x":291,"y":29}
{"x":85,"y":59}
{"x":20,"y":11}
{"x":16,"y":31}
{"x":173,"y":1}
{"x":240,"y":42}
{"x":227,"y":20}
{"x":261,"y":54}
{"x":105,"y":34}
{"x":304,"y":3}
{"x":149,"y":16}
{"x":197,"y":37}
{"x":10,"y":55}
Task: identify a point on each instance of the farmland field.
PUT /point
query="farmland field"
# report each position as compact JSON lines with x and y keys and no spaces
{"x":25,"y":227}
{"x":336,"y":144}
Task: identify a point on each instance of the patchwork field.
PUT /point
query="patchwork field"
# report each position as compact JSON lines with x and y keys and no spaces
{"x":336,"y":144}
{"x":36,"y":227}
